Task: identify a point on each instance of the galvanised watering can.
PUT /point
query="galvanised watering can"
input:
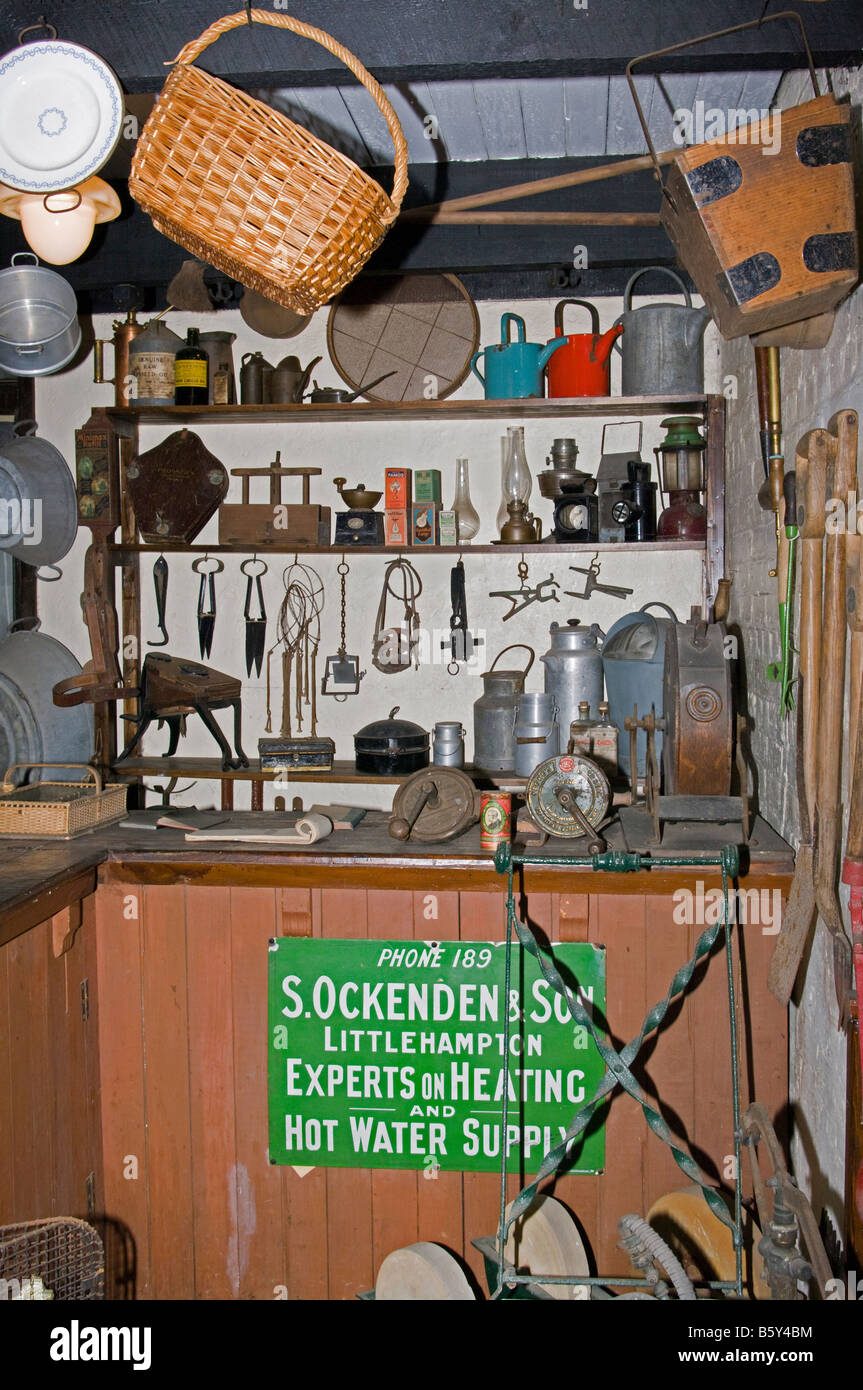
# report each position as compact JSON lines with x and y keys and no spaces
{"x":513,"y":370}
{"x":661,"y":347}
{"x":581,"y":366}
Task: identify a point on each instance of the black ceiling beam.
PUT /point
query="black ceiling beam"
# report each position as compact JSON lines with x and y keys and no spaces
{"x":439,"y":40}
{"x":130,"y":250}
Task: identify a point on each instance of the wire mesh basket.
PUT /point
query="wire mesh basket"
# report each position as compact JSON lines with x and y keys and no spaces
{"x":57,"y":1258}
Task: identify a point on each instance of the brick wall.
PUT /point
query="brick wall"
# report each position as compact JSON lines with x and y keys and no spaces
{"x":815,"y":385}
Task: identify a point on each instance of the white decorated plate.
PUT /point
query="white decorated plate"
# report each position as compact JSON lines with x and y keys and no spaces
{"x":61,"y":115}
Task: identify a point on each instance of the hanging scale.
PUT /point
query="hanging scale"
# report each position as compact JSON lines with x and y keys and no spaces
{"x":342,"y":674}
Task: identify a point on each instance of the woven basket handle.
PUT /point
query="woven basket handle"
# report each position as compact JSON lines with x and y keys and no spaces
{"x":82,"y":767}
{"x":283,"y":21}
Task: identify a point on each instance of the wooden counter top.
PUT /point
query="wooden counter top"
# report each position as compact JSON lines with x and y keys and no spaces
{"x":38,"y":878}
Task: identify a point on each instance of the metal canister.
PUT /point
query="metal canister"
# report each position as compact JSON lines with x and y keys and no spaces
{"x":124,"y":331}
{"x":448,"y":744}
{"x":494,"y":715}
{"x":151,"y":364}
{"x":254,"y":370}
{"x":495,"y":819}
{"x":573,"y":669}
{"x":537,"y":732}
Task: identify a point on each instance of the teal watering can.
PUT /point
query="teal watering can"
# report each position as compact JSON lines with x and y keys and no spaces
{"x":513,"y":370}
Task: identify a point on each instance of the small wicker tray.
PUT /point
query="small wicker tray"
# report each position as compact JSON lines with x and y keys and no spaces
{"x":59,"y":809}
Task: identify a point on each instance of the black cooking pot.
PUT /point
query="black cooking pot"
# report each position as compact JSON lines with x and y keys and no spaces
{"x":390,"y":746}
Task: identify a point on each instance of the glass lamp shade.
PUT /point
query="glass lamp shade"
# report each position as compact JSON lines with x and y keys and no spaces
{"x":59,"y":226}
{"x":517,"y":481}
{"x":466,"y":515}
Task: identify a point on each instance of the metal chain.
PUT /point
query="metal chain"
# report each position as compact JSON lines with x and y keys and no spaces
{"x":343,"y":570}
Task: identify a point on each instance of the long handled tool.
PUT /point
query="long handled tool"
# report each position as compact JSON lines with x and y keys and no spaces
{"x":782,"y":670}
{"x":828,"y":829}
{"x":811,"y":467}
{"x":771,"y":498}
{"x":852,"y":874}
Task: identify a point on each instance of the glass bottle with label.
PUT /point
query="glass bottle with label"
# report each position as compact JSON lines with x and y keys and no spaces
{"x":604,"y":737}
{"x":191,"y":372}
{"x":581,"y":731}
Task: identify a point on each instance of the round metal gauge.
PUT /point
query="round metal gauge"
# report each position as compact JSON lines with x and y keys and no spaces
{"x":592,"y":793}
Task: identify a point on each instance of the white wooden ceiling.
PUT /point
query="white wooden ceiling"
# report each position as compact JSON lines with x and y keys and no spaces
{"x":516,"y":119}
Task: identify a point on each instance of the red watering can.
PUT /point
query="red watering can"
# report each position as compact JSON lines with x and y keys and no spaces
{"x":581,"y":366}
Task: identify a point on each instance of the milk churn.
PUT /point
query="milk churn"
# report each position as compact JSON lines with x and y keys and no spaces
{"x":494,"y":715}
{"x":448,"y":744}
{"x":573,"y":669}
{"x":537,"y":733}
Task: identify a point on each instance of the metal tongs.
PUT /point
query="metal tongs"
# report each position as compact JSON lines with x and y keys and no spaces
{"x":525,"y":595}
{"x":592,"y":584}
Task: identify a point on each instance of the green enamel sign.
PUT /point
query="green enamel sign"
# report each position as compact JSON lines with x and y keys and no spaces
{"x":390,"y":1054}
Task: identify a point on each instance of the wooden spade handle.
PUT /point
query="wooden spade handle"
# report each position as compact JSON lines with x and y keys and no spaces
{"x":811,"y":468}
{"x":832,"y":692}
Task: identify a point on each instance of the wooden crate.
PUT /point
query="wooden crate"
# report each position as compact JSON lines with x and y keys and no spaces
{"x":768,"y":236}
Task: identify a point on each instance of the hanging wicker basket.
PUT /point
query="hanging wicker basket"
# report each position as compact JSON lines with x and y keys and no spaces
{"x":252,"y":193}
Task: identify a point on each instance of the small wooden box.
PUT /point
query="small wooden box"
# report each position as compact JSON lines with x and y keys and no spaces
{"x":766,"y":228}
{"x":285,"y":526}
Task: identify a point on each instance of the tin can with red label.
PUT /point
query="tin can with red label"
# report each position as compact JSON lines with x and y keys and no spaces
{"x":495,"y":819}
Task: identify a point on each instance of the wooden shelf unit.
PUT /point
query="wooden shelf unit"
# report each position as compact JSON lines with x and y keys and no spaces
{"x":120,"y":549}
{"x":533,"y":408}
{"x":124,"y":555}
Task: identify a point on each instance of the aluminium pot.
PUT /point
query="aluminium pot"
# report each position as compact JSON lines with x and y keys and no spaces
{"x":39,"y":328}
{"x":32,"y":728}
{"x":391,"y":746}
{"x":38,"y":504}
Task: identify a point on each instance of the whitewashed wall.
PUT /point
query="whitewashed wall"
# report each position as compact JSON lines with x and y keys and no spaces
{"x":361,"y":451}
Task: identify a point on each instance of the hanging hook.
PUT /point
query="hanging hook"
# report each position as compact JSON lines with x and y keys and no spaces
{"x":43,"y":24}
{"x":248,"y":11}
{"x":218,"y":565}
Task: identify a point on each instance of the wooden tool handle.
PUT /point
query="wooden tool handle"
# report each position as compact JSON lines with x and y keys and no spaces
{"x":832,"y":690}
